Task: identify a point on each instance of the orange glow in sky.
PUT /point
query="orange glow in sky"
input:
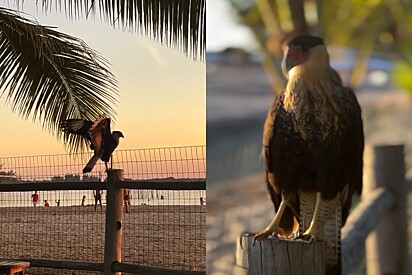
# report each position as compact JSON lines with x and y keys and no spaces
{"x":162,"y":99}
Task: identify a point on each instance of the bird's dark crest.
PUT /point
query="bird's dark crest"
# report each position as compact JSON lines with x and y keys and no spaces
{"x":306,"y":42}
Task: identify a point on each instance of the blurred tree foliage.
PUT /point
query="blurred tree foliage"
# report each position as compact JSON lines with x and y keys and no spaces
{"x":402,"y":75}
{"x":368,"y":25}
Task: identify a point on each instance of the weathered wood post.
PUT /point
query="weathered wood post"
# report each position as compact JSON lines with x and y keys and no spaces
{"x":114,"y":219}
{"x":360,"y":223}
{"x":386,"y":246}
{"x":279,"y":257}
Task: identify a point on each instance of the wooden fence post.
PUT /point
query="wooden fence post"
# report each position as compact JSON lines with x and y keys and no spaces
{"x":114,"y":219}
{"x":279,"y":257}
{"x":365,"y":217}
{"x":386,"y":245}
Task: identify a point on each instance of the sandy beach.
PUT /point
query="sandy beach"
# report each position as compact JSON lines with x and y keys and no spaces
{"x":170,"y":236}
{"x":234,"y":207}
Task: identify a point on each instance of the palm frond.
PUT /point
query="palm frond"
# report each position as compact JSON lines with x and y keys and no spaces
{"x":51,"y":76}
{"x":176,"y":23}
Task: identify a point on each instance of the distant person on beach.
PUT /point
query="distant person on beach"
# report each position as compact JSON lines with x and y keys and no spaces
{"x":46,"y":203}
{"x":202,"y":201}
{"x":35,"y":198}
{"x":97,"y":198}
{"x":83,"y":200}
{"x":126,"y":199}
{"x":58,"y":202}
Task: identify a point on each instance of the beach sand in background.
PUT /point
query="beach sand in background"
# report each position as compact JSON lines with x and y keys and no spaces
{"x":164,"y":235}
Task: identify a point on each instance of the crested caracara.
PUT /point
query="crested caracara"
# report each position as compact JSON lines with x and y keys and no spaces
{"x":312,"y":143}
{"x":98,"y":133}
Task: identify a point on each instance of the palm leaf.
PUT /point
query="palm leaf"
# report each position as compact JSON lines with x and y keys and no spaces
{"x":176,"y":23}
{"x":51,"y":76}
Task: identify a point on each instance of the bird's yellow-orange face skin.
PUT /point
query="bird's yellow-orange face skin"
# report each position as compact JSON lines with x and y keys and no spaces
{"x":294,"y":56}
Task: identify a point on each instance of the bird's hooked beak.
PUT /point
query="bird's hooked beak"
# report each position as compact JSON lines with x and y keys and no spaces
{"x":292,"y":56}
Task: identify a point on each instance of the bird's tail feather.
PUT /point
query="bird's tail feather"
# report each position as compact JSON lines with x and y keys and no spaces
{"x":92,"y":162}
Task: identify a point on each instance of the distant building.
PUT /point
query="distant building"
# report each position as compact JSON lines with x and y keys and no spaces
{"x":90,"y":178}
{"x":72,"y":178}
{"x":57,"y":179}
{"x":5,"y":178}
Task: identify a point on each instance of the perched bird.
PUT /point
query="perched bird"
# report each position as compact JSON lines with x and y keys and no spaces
{"x":312,"y":143}
{"x":98,"y":133}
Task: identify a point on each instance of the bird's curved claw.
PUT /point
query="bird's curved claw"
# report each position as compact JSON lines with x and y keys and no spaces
{"x":311,"y":238}
{"x":261,"y":236}
{"x":275,"y":236}
{"x":258,"y":236}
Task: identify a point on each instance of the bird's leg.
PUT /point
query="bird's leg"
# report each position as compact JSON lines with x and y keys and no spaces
{"x":273,"y":228}
{"x":107,"y":168}
{"x":315,"y":230}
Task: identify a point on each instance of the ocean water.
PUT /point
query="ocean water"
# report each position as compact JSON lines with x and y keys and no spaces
{"x":74,"y":197}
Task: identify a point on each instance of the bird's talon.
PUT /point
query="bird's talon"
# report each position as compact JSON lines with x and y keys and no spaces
{"x":306,"y":237}
{"x":260,"y":236}
{"x":310,"y":241}
{"x":275,"y":236}
{"x":254,"y":240}
{"x":313,"y":238}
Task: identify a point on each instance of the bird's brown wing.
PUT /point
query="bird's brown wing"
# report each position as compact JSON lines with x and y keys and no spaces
{"x":356,"y":138}
{"x":77,"y":126}
{"x":360,"y":143}
{"x":287,"y":222}
{"x":99,"y":131}
{"x":268,"y":140}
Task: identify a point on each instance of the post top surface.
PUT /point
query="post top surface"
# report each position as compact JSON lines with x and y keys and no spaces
{"x":13,"y":264}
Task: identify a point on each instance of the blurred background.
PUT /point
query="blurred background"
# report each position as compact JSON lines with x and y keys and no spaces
{"x":370,"y":46}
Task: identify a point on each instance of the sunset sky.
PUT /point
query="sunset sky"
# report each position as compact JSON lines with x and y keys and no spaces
{"x":162,"y":93}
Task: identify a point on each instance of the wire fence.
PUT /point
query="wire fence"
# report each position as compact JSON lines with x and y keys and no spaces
{"x":167,"y":234}
{"x":161,"y":227}
{"x":138,"y":164}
